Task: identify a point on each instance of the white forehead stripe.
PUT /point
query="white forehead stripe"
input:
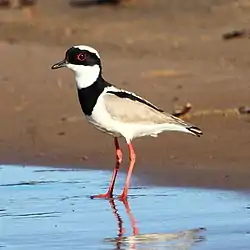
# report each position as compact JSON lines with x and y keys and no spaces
{"x":85,"y":47}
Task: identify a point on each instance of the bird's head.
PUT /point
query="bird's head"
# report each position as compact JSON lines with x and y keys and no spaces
{"x":84,"y":61}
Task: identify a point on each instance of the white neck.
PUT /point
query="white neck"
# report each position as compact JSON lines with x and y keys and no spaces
{"x":85,"y":75}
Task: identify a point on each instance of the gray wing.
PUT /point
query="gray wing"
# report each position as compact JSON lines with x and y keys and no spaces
{"x":129,"y":108}
{"x":135,"y":111}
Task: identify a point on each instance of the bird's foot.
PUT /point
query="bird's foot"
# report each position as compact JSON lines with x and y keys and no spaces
{"x":102,"y":196}
{"x":123,"y":197}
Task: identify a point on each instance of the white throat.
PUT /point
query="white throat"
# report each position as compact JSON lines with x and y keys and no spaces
{"x":85,"y":75}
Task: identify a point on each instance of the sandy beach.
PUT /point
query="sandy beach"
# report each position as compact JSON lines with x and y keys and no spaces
{"x":166,"y":51}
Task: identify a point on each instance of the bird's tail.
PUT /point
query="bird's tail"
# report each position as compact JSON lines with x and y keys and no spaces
{"x":194,"y":130}
{"x":176,"y":124}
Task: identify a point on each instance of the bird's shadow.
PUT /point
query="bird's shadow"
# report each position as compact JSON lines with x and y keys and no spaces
{"x":136,"y":239}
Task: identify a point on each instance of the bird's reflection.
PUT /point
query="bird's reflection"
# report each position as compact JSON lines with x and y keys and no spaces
{"x":121,"y":229}
{"x":174,"y":241}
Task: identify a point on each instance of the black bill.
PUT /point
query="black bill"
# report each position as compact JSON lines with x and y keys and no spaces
{"x":59,"y":65}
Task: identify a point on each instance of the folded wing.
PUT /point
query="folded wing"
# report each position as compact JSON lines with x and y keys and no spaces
{"x":129,"y":108}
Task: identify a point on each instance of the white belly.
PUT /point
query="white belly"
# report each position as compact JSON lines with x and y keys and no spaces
{"x":127,"y":130}
{"x":102,"y":126}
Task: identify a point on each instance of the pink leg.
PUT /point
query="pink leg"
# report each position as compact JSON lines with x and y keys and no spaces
{"x":109,"y":194}
{"x":132,"y":157}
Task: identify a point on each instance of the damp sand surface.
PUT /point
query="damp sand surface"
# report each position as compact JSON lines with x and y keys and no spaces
{"x":48,"y":208}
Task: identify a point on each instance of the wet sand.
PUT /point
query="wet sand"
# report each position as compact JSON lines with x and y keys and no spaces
{"x":51,"y":208}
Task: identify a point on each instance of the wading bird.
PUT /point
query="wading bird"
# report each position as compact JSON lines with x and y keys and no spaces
{"x":115,"y":111}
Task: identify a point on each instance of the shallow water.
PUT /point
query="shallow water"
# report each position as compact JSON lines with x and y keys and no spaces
{"x":46,"y":208}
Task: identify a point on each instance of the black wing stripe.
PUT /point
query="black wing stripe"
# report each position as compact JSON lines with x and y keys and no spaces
{"x":195,"y":130}
{"x":123,"y":94}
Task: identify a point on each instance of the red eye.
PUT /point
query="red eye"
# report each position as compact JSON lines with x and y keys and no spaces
{"x":81,"y":57}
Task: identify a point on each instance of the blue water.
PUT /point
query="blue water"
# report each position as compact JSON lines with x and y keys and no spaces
{"x":47,"y":208}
